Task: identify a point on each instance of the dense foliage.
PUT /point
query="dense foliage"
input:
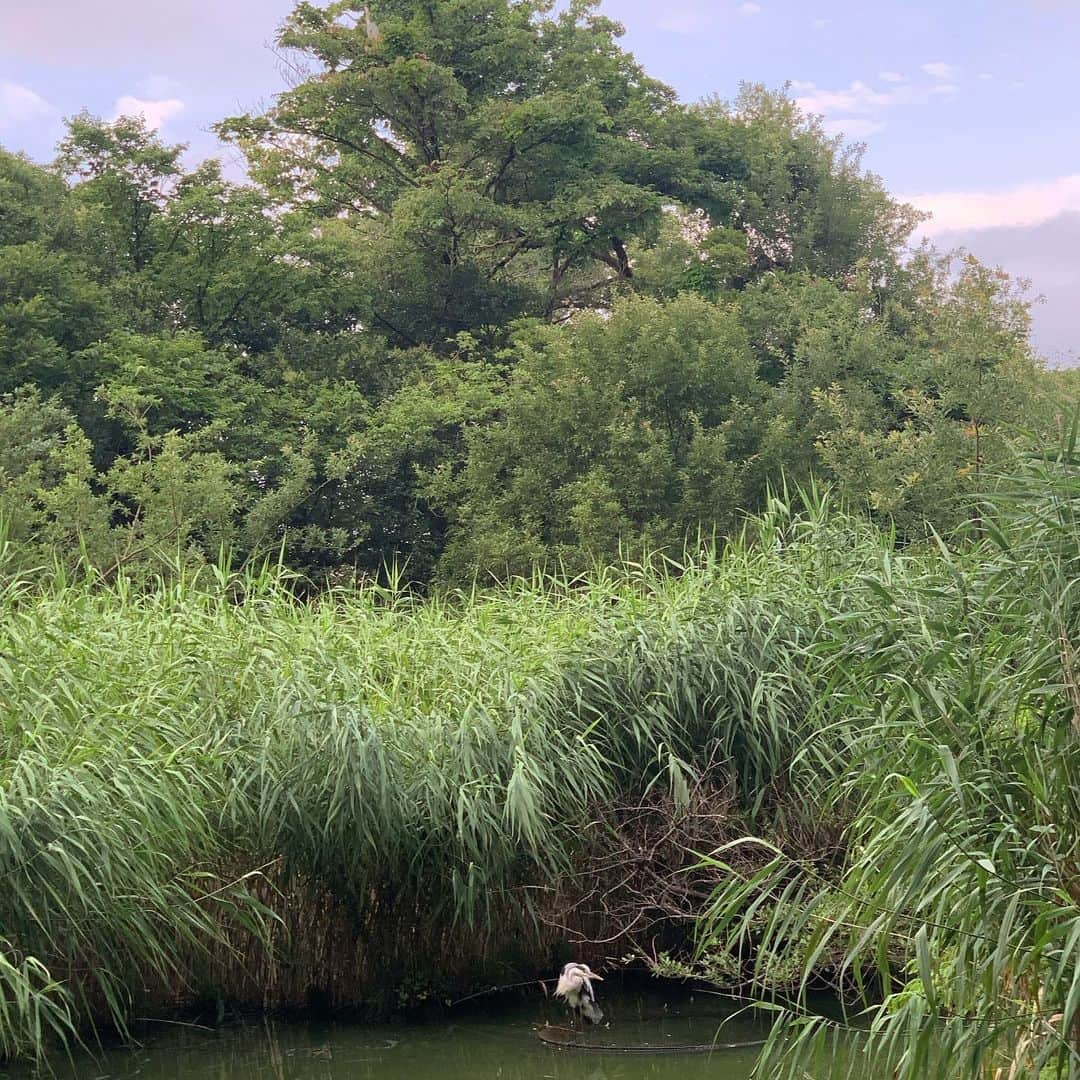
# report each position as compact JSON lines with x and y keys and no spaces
{"x":491,"y":303}
{"x":953,"y":746}
{"x":489,"y":297}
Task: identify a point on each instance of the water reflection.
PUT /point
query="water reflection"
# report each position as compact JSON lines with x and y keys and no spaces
{"x":500,"y":1042}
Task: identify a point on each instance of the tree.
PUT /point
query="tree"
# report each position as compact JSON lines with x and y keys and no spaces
{"x":918,"y":447}
{"x":491,"y":296}
{"x":50,"y":309}
{"x":33,"y":203}
{"x":125,"y":176}
{"x":623,"y":430}
{"x":492,"y":158}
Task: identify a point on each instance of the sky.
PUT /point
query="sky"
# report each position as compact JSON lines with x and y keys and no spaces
{"x":965,"y":106}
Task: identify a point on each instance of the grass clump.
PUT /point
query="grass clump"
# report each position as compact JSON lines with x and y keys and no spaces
{"x":216,"y":788}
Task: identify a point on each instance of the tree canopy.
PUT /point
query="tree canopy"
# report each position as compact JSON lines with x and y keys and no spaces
{"x":488,"y":297}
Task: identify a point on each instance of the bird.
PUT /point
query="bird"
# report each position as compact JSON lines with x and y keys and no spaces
{"x":575,"y":988}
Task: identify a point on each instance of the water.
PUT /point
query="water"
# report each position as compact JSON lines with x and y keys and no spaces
{"x":495,"y":1041}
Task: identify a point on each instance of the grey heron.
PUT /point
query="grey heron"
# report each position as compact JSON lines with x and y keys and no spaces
{"x":575,"y":988}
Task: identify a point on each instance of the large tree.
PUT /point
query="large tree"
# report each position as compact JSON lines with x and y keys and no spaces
{"x":495,"y":159}
{"x":499,"y":159}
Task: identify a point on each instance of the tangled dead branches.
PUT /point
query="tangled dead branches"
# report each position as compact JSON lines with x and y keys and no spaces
{"x":642,"y":896}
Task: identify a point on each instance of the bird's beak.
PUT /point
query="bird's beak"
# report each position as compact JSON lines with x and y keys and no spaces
{"x":598,"y":978}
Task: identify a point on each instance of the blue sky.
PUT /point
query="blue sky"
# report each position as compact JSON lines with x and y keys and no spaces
{"x":964,"y":106}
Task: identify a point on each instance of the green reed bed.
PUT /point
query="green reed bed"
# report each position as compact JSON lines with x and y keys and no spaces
{"x":213,"y":787}
{"x":955,"y":910}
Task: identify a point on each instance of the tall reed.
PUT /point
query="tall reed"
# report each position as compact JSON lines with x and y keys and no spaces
{"x":956,"y":910}
{"x":212,"y":786}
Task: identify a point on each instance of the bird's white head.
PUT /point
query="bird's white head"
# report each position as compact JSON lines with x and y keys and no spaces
{"x":576,"y":978}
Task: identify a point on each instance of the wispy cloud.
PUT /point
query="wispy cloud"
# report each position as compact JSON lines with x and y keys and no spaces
{"x":938,"y":69}
{"x":689,"y":18}
{"x":861,"y":98}
{"x":1027,"y":204}
{"x":858,"y":110}
{"x":155,"y":113}
{"x":20,"y":105}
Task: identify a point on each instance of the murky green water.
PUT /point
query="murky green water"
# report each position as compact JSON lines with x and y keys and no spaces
{"x":500,"y":1041}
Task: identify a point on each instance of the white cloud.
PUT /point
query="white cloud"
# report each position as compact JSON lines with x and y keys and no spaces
{"x":749,"y":8}
{"x":938,"y":69}
{"x":985,"y":76}
{"x":1026,"y":205}
{"x":890,"y":76}
{"x":20,"y":105}
{"x":860,"y":98}
{"x":155,"y":113}
{"x":156,"y":87}
{"x":820,"y":24}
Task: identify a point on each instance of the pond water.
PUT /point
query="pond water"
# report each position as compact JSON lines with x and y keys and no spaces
{"x":496,"y":1041}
